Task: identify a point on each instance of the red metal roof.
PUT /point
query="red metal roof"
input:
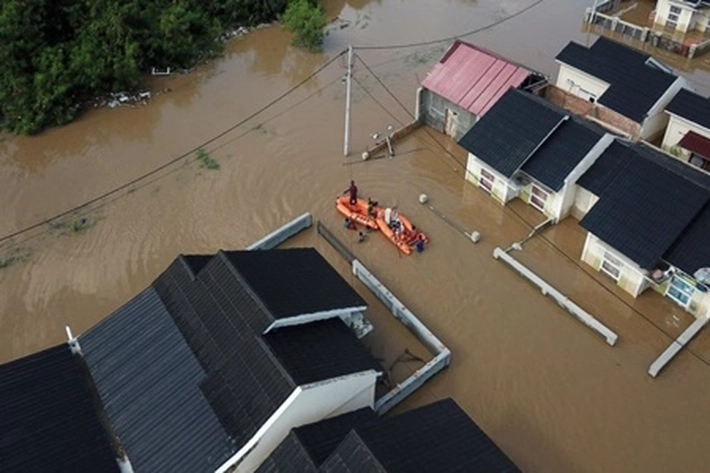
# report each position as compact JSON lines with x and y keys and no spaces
{"x":696,"y":143}
{"x":473,"y":78}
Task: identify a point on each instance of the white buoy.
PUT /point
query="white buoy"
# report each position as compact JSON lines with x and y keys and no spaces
{"x":475,"y":237}
{"x":423,"y":198}
{"x":365,"y":155}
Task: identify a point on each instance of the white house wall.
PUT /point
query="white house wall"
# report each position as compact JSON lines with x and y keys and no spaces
{"x":578,"y":83}
{"x":684,"y":18}
{"x":311,"y":403}
{"x":501,"y":191}
{"x":677,"y":128}
{"x":657,"y":118}
{"x":632,"y":277}
{"x":584,"y":200}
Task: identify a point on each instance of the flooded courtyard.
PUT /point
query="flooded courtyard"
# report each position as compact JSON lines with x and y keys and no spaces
{"x":550,"y":393}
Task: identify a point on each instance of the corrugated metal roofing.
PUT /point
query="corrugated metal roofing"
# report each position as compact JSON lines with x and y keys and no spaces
{"x":293,"y":282}
{"x":149,"y":381}
{"x":696,"y":143}
{"x":692,"y":107}
{"x":473,"y":78}
{"x":436,"y":437}
{"x":48,"y":420}
{"x":635,"y":86}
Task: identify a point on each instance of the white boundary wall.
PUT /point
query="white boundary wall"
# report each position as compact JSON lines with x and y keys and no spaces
{"x":547,"y":290}
{"x":677,"y":346}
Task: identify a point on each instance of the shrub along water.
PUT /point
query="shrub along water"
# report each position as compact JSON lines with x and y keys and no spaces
{"x":58,"y":53}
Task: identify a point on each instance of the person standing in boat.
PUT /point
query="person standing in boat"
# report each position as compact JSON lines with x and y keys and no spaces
{"x":352,"y":190}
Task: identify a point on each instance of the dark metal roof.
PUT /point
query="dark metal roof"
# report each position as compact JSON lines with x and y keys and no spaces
{"x":473,"y":78}
{"x":293,"y":282}
{"x":436,"y":437}
{"x":308,"y":446}
{"x":320,"y":350}
{"x":513,"y":129}
{"x":49,"y":420}
{"x":609,"y":165}
{"x":562,"y":152}
{"x":646,"y":207}
{"x":149,"y":381}
{"x":635,"y":85}
{"x":221,"y":323}
{"x":692,"y":107}
{"x":691,"y":250}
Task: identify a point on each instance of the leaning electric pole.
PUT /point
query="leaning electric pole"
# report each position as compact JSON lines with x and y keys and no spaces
{"x":348,"y":81}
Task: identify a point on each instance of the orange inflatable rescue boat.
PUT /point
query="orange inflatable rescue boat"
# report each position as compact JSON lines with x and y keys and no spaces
{"x":356,"y":213}
{"x":400,"y":230}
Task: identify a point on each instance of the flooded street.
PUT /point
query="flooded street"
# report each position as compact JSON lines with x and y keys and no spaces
{"x":551,"y":394}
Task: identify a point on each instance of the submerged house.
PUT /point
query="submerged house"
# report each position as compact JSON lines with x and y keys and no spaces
{"x":648,"y":219}
{"x":615,"y":85}
{"x":465,"y":83}
{"x":688,"y":134}
{"x":528,"y":148}
{"x":436,"y":437}
{"x":206,"y":370}
{"x":683,"y":15}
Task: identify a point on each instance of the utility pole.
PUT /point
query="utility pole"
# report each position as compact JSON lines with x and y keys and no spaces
{"x":346,"y":150}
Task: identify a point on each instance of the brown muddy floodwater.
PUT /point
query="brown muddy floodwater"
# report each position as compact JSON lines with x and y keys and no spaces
{"x":555,"y":397}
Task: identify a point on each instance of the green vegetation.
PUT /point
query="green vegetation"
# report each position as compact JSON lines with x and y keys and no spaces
{"x":307,"y":20}
{"x":206,"y":160}
{"x":15,"y":256}
{"x":57,"y":54}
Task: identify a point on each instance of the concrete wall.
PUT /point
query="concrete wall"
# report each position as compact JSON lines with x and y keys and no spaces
{"x":676,"y":130}
{"x":306,"y":405}
{"x":632,"y":278}
{"x":584,"y":200}
{"x":613,"y":121}
{"x":432,"y":112}
{"x":578,"y":83}
{"x":501,"y":191}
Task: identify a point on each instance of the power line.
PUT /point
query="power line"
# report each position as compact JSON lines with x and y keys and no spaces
{"x":385,"y":109}
{"x":186,"y":154}
{"x":451,"y":38}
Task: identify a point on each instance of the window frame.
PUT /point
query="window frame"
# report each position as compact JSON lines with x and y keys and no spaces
{"x":683,"y":288}
{"x":533,"y":196}
{"x":614,"y":263}
{"x":488,"y":178}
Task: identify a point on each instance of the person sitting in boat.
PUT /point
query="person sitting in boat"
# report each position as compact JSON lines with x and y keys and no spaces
{"x":371,"y":204}
{"x":349,"y":224}
{"x":352,"y":190}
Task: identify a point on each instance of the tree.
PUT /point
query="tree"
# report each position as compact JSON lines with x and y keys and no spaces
{"x":307,"y":21}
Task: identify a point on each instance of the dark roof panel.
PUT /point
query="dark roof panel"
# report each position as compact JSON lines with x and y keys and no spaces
{"x":320,"y":350}
{"x":436,"y":437}
{"x":353,"y":456}
{"x":635,"y":85}
{"x":691,"y":251}
{"x":149,"y":381}
{"x":48,"y":418}
{"x":645,"y":209}
{"x":562,"y":152}
{"x":511,"y":130}
{"x":320,"y":439}
{"x":610,"y":164}
{"x":692,"y":107}
{"x":293,"y":282}
{"x":308,"y":446}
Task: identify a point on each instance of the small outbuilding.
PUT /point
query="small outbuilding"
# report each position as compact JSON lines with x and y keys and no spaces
{"x":465,"y":83}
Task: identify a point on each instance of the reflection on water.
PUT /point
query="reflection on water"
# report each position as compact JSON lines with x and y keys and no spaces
{"x":552,"y":395}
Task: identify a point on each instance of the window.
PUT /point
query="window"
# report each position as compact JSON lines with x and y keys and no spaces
{"x":486,"y":181}
{"x":612,"y":265}
{"x":672,"y":18}
{"x":538,"y":197}
{"x":699,"y":161}
{"x":680,"y":291}
{"x":676,"y":10}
